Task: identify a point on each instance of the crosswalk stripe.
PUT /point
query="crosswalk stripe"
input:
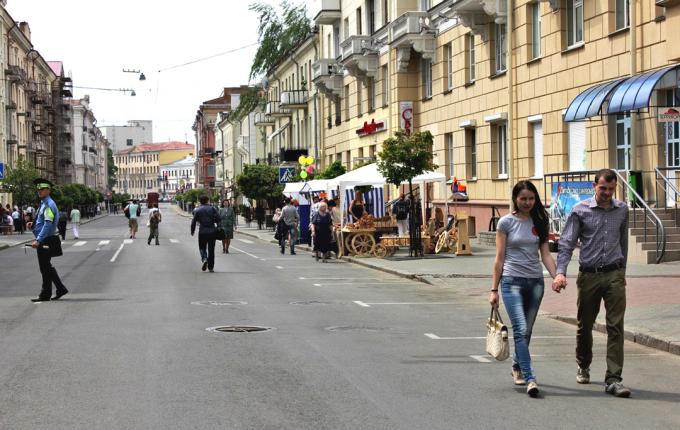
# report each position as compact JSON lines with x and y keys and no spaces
{"x":245,"y":240}
{"x":174,"y":241}
{"x":128,"y":241}
{"x":81,"y":243}
{"x":103,"y":242}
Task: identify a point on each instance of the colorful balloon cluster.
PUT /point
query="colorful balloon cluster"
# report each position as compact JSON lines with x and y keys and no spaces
{"x":306,"y":166}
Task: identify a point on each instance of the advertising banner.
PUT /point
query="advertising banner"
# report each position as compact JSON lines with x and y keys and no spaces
{"x":564,"y":195}
{"x":406,"y":117}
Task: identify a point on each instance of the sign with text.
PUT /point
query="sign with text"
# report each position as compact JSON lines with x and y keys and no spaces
{"x":371,"y":128}
{"x":406,"y":117}
{"x":669,"y":114}
{"x":564,"y":196}
{"x":287,"y":174}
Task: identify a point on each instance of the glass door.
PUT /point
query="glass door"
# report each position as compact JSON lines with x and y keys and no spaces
{"x":672,"y":147}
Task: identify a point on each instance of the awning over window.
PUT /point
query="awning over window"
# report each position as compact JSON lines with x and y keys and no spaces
{"x":635,"y":92}
{"x":588,"y":103}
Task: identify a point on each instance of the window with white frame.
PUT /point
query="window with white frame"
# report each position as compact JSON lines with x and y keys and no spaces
{"x":472,"y":62}
{"x":535,"y":29}
{"x":538,"y":149}
{"x":500,"y":48}
{"x":574,"y":22}
{"x":448,"y":139}
{"x":502,"y":150}
{"x":448,"y":48}
{"x":385,"y":86}
{"x":370,"y":87}
{"x":471,"y":153}
{"x":426,"y":72}
{"x":359,"y":99}
{"x":623,"y":141}
{"x":621,"y":12}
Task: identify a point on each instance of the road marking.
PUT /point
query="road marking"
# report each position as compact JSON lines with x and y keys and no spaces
{"x":362,"y":304}
{"x":174,"y":241}
{"x":117,"y":252}
{"x":244,"y":240}
{"x":279,"y":267}
{"x":435,"y":337}
{"x":81,"y":243}
{"x":247,"y":253}
{"x":481,"y":358}
{"x":317,"y":285}
{"x":128,"y":241}
{"x":103,"y":242}
{"x":334,"y":279}
{"x":365,"y":283}
{"x":413,"y":303}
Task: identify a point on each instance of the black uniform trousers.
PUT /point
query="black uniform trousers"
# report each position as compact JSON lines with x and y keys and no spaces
{"x":49,"y":274}
{"x":206,"y":246}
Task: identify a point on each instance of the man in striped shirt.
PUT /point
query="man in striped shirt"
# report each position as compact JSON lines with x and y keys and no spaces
{"x":601,"y":225}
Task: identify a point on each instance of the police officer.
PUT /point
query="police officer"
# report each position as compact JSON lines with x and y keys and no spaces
{"x":44,"y":229}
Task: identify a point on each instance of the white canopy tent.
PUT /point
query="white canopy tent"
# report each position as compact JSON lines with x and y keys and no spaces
{"x":426,"y":178}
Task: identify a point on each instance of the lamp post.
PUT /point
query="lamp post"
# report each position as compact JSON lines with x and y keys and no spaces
{"x":141,"y":75}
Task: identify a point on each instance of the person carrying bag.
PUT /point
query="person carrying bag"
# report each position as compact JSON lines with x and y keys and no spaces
{"x":497,"y":336}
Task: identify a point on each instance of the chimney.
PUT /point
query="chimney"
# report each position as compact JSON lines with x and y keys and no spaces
{"x":24,"y":27}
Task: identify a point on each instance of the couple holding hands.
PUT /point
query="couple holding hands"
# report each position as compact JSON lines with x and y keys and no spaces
{"x":601,"y":225}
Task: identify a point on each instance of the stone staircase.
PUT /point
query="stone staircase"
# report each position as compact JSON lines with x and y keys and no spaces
{"x":643,"y":250}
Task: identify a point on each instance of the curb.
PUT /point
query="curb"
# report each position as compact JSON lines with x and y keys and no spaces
{"x":630,"y":335}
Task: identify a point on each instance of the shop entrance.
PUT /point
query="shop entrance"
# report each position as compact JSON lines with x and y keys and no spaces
{"x":672,"y":134}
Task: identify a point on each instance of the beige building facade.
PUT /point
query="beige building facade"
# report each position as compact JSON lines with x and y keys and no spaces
{"x":448,"y":62}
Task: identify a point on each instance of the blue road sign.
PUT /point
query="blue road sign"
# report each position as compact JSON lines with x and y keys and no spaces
{"x":2,"y":171}
{"x":287,"y":174}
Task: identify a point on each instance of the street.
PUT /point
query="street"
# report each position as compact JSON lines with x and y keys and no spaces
{"x":349,"y":347}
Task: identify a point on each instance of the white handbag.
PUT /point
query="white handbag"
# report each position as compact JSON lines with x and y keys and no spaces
{"x":497,"y":336}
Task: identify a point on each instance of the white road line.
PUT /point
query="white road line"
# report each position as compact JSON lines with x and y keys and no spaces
{"x":81,"y":243}
{"x":435,"y":337}
{"x":481,"y":358}
{"x":413,"y":303}
{"x":103,"y":242}
{"x":317,"y":285}
{"x":247,"y":253}
{"x":244,"y":240}
{"x":279,"y":267}
{"x":336,"y":279}
{"x":128,"y":241}
{"x":364,"y":283}
{"x":432,"y":336}
{"x":117,"y":252}
{"x":362,"y":304}
{"x":174,"y":241}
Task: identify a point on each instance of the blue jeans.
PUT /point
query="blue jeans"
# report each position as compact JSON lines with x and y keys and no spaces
{"x":522,"y":298}
{"x":292,"y":229}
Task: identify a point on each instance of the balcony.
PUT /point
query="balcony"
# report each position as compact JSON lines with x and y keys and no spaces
{"x":478,"y":14}
{"x":11,"y":105}
{"x":326,"y":12}
{"x":360,"y":56}
{"x":15,"y":73}
{"x":263,"y":120}
{"x":274,"y":109}
{"x":294,"y":99}
{"x":412,"y":30}
{"x":12,"y":139}
{"x":327,"y":76}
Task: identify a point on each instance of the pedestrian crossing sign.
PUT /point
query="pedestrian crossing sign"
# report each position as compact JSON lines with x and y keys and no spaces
{"x":287,"y":174}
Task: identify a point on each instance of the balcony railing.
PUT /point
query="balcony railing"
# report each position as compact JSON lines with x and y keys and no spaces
{"x":12,"y":139}
{"x":356,"y":45}
{"x":274,"y":108}
{"x":295,"y":98}
{"x":326,"y":12}
{"x":15,"y":73}
{"x":327,"y":75}
{"x":262,"y":119}
{"x":412,"y":30}
{"x":360,"y":56}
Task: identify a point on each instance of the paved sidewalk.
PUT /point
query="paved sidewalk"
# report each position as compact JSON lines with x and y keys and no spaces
{"x":653,"y":290}
{"x":10,"y":240}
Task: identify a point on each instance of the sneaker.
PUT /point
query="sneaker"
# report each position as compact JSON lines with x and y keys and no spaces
{"x":204,"y":266}
{"x":518,"y":377}
{"x":583,"y":376}
{"x":617,"y":389}
{"x":532,"y":388}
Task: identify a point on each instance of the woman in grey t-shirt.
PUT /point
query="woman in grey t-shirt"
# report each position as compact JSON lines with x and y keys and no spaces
{"x":519,"y":237}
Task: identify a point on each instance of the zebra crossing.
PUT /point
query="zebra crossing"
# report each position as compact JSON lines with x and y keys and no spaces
{"x":105,"y":244}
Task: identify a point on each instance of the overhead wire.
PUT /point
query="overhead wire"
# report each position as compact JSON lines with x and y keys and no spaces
{"x":207,"y":58}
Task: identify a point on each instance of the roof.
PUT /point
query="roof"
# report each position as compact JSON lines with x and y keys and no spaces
{"x":164,"y":146}
{"x":57,"y":67}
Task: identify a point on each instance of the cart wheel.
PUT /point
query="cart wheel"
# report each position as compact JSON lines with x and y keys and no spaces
{"x":348,"y":244}
{"x":380,"y":251}
{"x":441,"y":242}
{"x":363,"y":244}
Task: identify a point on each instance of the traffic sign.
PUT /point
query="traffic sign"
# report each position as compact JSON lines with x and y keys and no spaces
{"x":2,"y":171}
{"x":286,"y":174}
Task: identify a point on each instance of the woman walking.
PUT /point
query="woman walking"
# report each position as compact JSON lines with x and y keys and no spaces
{"x":227,"y":223}
{"x":519,"y":238}
{"x":322,"y":225}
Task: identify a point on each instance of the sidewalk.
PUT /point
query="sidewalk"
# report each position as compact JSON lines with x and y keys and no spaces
{"x":653,"y":294}
{"x":10,"y":240}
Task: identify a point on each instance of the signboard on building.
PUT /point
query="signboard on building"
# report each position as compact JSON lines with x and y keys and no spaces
{"x":406,"y":117}
{"x":371,"y":127}
{"x":287,"y":174}
{"x":669,"y":114}
{"x":564,"y":196}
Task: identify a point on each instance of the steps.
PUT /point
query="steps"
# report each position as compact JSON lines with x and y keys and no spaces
{"x":644,"y":251}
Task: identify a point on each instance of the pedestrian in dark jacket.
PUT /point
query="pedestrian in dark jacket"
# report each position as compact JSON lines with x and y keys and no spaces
{"x":208,"y":219}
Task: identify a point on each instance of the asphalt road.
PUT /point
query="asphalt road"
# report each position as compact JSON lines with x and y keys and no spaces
{"x":349,"y":348}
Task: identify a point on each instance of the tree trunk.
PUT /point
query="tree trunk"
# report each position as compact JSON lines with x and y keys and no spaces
{"x":416,"y":244}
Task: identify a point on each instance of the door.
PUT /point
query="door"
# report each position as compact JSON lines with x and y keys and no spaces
{"x":672,"y":149}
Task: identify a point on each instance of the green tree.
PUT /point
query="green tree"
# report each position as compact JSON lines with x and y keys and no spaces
{"x":113,"y":169}
{"x":260,"y":182}
{"x":334,"y":170}
{"x":278,"y":35}
{"x":19,"y":182}
{"x":251,"y":99}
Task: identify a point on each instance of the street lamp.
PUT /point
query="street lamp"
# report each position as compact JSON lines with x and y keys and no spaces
{"x":141,"y":75}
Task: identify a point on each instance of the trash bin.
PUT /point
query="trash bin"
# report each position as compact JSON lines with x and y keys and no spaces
{"x":635,"y":181}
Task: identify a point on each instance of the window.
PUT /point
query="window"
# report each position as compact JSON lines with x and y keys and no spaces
{"x":425,"y":5}
{"x":345,"y":27}
{"x":471,"y":61}
{"x":535,"y":29}
{"x":385,"y":13}
{"x":448,"y":52}
{"x":370,"y":11}
{"x":336,"y":41}
{"x":500,"y":48}
{"x":328,"y":46}
{"x":448,"y":139}
{"x":577,"y":146}
{"x":426,"y":73}
{"x":538,"y":150}
{"x":574,"y":22}
{"x":338,"y":118}
{"x":359,"y":31}
{"x":471,"y":153}
{"x":346,"y":102}
{"x":348,"y":157}
{"x":371,"y":94}
{"x":359,"y":99}
{"x":621,"y":12}
{"x":623,"y":141}
{"x":501,"y":151}
{"x":128,"y":142}
{"x":385,"y":86}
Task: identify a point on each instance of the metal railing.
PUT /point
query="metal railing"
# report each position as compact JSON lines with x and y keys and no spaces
{"x":624,"y":192}
{"x":667,"y":184}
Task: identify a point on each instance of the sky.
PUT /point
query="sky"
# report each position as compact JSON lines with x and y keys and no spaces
{"x":97,"y":39}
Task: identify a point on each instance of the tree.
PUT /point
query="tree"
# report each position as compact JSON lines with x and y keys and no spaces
{"x":333,"y":170}
{"x":402,"y":159}
{"x":250,"y":100}
{"x":277,"y":35}
{"x":113,"y":169}
{"x":260,"y":182}
{"x":19,"y":182}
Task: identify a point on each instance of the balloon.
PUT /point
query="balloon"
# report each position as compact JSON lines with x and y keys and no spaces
{"x":310,"y":160}
{"x":303,"y":174}
{"x":310,"y":169}
{"x":302,"y":159}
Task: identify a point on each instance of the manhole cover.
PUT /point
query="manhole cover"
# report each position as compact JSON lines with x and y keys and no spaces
{"x":220,"y":302}
{"x":356,"y":328}
{"x":311,"y":302}
{"x":238,"y":329}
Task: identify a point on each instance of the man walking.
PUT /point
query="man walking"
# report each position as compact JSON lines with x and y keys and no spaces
{"x":401,"y":209}
{"x":601,"y":225}
{"x":75,"y":222}
{"x":133,"y":210}
{"x":290,"y":218}
{"x":207,"y":218}
{"x":154,"y":220}
{"x":45,"y":230}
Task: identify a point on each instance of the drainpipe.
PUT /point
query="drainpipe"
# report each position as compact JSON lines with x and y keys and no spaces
{"x":511,"y":101}
{"x":297,"y":115}
{"x":316,"y":127}
{"x":633,"y":69}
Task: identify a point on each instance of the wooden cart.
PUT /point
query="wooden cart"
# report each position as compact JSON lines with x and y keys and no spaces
{"x":359,"y":242}
{"x":390,"y":243}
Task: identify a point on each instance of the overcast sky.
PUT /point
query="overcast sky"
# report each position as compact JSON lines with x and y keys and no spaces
{"x":97,"y":39}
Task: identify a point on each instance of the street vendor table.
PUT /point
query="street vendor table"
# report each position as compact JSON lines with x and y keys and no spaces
{"x":389,"y":244}
{"x":358,"y":242}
